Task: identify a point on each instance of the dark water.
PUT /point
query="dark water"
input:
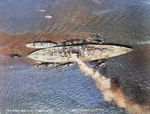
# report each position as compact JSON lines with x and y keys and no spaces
{"x":54,"y":91}
{"x":127,"y":22}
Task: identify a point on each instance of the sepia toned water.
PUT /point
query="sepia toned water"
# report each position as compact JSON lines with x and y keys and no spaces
{"x":24,"y":89}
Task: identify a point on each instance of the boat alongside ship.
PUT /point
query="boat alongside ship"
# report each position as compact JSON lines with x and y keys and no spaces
{"x":62,"y":66}
{"x":71,"y":42}
{"x":40,"y":45}
{"x":46,"y":64}
{"x":81,"y":42}
{"x":53,"y":65}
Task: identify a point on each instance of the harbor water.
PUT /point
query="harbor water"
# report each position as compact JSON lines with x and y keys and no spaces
{"x":28,"y":90}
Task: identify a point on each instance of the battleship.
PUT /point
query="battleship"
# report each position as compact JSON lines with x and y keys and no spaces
{"x":93,"y":50}
{"x":62,"y":54}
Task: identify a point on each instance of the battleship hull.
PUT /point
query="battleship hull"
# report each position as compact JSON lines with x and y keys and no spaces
{"x":62,"y":54}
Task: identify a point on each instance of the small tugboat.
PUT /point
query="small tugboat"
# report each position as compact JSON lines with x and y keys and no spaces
{"x":14,"y":56}
{"x":96,"y":63}
{"x":101,"y":64}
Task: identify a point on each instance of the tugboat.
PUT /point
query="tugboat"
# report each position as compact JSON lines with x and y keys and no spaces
{"x":15,"y":56}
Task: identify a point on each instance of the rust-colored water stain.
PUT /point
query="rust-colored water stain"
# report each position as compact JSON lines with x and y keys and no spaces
{"x":16,"y":44}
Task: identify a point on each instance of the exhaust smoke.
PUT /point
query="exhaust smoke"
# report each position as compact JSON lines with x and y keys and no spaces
{"x":110,"y":89}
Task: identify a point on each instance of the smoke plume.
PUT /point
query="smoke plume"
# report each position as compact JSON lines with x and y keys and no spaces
{"x":110,"y":89}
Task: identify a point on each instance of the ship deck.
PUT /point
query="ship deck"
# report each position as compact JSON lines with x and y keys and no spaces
{"x":84,"y":52}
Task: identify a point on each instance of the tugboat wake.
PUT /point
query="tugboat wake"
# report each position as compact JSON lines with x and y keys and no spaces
{"x":110,"y":89}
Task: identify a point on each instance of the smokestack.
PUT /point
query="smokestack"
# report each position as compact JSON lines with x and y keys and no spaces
{"x":110,"y":89}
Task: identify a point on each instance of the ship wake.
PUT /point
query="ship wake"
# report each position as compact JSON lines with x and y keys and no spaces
{"x":110,"y":89}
